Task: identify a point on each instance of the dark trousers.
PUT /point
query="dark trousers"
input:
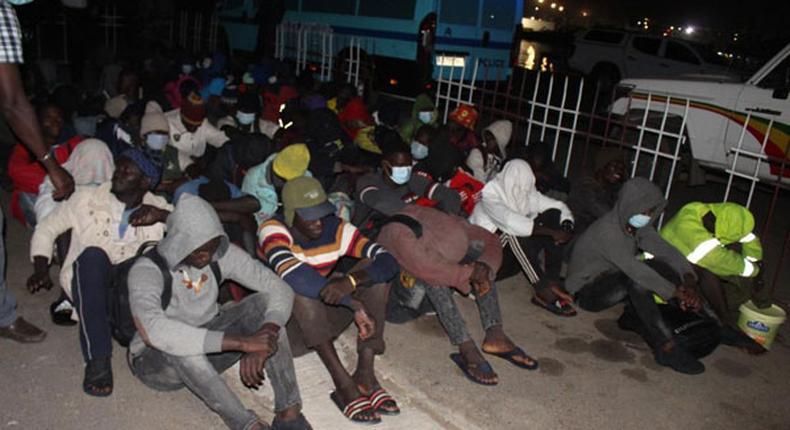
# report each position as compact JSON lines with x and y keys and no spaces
{"x":93,"y":273}
{"x":533,"y":246}
{"x":613,"y":288}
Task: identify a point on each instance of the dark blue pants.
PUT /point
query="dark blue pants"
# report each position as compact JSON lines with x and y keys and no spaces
{"x":93,"y":273}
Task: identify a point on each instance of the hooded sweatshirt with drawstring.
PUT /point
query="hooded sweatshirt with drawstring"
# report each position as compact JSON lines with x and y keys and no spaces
{"x":485,"y":167}
{"x":510,"y":202}
{"x":177,"y":330}
{"x":608,"y":247}
{"x":409,"y":129}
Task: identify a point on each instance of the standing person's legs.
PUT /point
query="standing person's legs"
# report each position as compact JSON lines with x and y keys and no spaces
{"x":11,"y":325}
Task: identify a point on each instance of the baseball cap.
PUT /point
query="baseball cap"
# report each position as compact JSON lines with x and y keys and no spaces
{"x":305,"y":195}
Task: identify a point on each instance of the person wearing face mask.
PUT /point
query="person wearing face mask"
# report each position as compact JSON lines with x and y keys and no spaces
{"x":423,"y":113}
{"x":381,"y":194}
{"x":154,"y":131}
{"x":605,"y":269}
{"x":248,"y":116}
{"x":420,"y":146}
{"x":174,"y":90}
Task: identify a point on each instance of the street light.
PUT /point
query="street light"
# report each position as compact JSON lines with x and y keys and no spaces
{"x":554,"y":5}
{"x":561,"y":8}
{"x":584,"y":13}
{"x":690,"y":30}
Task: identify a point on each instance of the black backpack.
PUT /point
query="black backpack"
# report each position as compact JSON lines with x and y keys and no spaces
{"x":119,"y":309}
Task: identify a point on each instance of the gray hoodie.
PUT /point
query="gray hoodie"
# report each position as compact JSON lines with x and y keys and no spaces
{"x":178,"y":330}
{"x":607,"y":246}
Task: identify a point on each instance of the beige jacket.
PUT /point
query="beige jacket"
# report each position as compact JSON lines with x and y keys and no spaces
{"x":93,"y":215}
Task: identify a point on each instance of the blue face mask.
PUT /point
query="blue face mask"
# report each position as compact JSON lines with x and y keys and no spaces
{"x":418,"y":150}
{"x":187,"y":68}
{"x":401,"y":175}
{"x":19,"y":2}
{"x":245,"y":118}
{"x":425,"y":117}
{"x":639,"y":221}
{"x":157,"y":141}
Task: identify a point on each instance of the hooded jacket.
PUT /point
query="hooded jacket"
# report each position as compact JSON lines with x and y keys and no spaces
{"x":734,"y":223}
{"x":511,"y":202}
{"x":178,"y":329}
{"x":485,"y":170}
{"x":409,"y":129}
{"x":608,"y":247}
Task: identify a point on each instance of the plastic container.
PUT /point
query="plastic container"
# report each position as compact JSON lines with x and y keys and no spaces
{"x":761,"y":324}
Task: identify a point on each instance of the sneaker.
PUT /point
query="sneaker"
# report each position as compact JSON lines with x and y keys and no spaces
{"x":679,"y":360}
{"x":23,"y":332}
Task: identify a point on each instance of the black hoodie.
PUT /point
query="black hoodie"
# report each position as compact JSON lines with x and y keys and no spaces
{"x":607,"y":246}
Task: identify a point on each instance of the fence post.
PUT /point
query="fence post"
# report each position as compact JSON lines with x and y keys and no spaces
{"x":573,"y":128}
{"x":641,"y":135}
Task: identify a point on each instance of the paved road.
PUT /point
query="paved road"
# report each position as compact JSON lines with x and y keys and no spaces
{"x":592,"y":376}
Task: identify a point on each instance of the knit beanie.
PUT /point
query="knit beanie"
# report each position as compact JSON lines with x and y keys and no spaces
{"x":249,"y":102}
{"x":145,"y":163}
{"x":153,"y":119}
{"x":193,"y":109}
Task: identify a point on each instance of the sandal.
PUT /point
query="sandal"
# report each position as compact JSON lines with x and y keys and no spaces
{"x":60,"y":311}
{"x":98,"y":377}
{"x":558,"y":306}
{"x":511,"y":357}
{"x":358,"y":410}
{"x":467,"y":368}
{"x":383,"y":403}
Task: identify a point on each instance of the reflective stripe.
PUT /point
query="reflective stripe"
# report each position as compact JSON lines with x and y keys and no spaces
{"x":648,"y":256}
{"x":752,"y":259}
{"x":702,"y":250}
{"x":748,"y":238}
{"x":748,"y":268}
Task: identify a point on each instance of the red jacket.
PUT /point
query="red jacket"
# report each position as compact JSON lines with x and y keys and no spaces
{"x":27,"y":173}
{"x":465,"y":184}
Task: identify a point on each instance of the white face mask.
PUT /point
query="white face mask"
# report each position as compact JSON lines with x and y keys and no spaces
{"x":20,"y":2}
{"x":245,"y":118}
{"x":187,"y":68}
{"x":156,"y":141}
{"x":400,"y":174}
{"x":425,"y":117}
{"x":418,"y":150}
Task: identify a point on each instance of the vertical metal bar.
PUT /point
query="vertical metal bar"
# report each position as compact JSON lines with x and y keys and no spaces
{"x":638,"y":147}
{"x":736,"y":155}
{"x":573,"y":128}
{"x":546,"y":108}
{"x":532,"y":108}
{"x":439,"y":80}
{"x":449,"y":90}
{"x":660,"y":136}
{"x":755,"y":178}
{"x":359,"y":60}
{"x":559,"y":118}
{"x":473,"y":83}
{"x":676,"y":157}
{"x":521,"y":93}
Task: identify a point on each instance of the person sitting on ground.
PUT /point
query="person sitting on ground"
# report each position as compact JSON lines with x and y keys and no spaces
{"x":531,"y":224}
{"x":179,"y":88}
{"x":718,"y":240}
{"x":265,"y":180}
{"x":594,"y":195}
{"x":247,"y":118}
{"x":423,"y":113}
{"x":382,"y":193}
{"x":444,"y":251}
{"x":486,"y":160}
{"x":352,"y":111}
{"x":550,"y":180}
{"x":444,"y":165}
{"x":27,"y":173}
{"x":421,"y":144}
{"x":193,"y":340}
{"x":605,"y":269}
{"x":303,"y":246}
{"x":154,"y":132}
{"x":122,"y":133}
{"x":190,"y":132}
{"x":108,"y":225}
{"x":461,"y":124}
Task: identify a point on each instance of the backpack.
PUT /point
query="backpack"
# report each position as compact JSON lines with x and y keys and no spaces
{"x":119,"y":308}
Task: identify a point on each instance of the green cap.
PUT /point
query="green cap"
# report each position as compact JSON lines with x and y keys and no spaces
{"x":305,"y":195}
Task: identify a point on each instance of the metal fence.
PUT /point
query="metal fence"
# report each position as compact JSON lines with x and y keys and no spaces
{"x":581,"y":119}
{"x":194,"y":31}
{"x":329,"y":56}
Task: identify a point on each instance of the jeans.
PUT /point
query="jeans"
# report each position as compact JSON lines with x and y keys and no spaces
{"x":450,"y":316}
{"x":610,"y":289}
{"x":7,"y":300}
{"x":201,"y":373}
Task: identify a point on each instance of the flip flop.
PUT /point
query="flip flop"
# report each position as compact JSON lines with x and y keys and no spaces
{"x":465,"y":367}
{"x":356,"y":408}
{"x":383,"y":403}
{"x":516,"y":352}
{"x":559,"y":307}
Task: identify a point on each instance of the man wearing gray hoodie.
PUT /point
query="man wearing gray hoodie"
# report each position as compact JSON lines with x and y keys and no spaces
{"x":605,"y":269}
{"x":192,"y":340}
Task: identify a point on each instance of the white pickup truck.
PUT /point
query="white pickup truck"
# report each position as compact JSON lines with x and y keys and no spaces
{"x":718,"y":111}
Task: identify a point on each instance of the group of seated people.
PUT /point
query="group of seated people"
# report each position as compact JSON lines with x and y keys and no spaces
{"x":256,"y":219}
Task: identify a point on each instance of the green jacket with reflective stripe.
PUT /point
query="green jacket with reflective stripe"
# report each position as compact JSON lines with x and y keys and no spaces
{"x":734,"y":223}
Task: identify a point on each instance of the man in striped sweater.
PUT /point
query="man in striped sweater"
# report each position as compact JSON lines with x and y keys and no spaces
{"x":303,"y":246}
